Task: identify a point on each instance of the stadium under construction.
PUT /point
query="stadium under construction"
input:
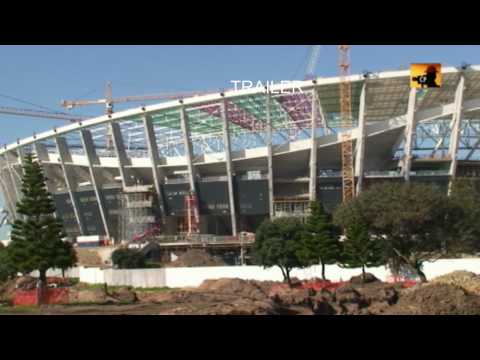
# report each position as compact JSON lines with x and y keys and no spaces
{"x":214,"y":166}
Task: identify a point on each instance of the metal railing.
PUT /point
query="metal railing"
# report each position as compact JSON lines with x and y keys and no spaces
{"x":329,"y":173}
{"x":388,"y":173}
{"x":253,"y":177}
{"x":204,"y":239}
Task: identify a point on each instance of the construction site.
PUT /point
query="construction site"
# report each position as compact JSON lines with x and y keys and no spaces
{"x":204,"y":169}
{"x":188,"y":180}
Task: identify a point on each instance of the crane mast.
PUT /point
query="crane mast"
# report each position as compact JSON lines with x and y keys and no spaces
{"x":346,"y":121}
{"x":312,"y":62}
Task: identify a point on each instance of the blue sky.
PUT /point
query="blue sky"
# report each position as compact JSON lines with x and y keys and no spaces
{"x":44,"y":75}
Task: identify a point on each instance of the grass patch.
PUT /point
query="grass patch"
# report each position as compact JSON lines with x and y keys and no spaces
{"x":7,"y":309}
{"x":156,"y":289}
{"x":85,"y":286}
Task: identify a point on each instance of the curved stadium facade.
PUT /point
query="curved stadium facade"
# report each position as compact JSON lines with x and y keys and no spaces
{"x":248,"y":155}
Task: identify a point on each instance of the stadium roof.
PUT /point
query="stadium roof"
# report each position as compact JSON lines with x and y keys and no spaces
{"x":386,"y":98}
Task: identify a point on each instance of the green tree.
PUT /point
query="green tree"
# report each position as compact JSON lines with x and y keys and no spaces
{"x":320,"y":243}
{"x":7,"y":269}
{"x":65,"y":256}
{"x":128,"y":259}
{"x":360,"y":249}
{"x":465,"y":199}
{"x":277,"y":243}
{"x":415,"y":221}
{"x":37,"y":237}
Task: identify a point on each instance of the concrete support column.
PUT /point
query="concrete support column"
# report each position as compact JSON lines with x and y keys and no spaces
{"x":155,"y":162}
{"x":361,"y":138}
{"x":41,"y":153}
{"x":92,"y":159}
{"x":189,"y":157}
{"x":410,"y":134}
{"x":10,"y":170}
{"x":313,"y":148}
{"x":64,"y":157}
{"x":188,"y":147}
{"x":120,"y":152}
{"x":7,"y":196}
{"x":456,"y":128}
{"x":229,"y":165}
{"x":269,"y":140}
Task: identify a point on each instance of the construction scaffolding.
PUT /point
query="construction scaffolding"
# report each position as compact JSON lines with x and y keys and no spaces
{"x":292,"y":208}
{"x":137,"y":217}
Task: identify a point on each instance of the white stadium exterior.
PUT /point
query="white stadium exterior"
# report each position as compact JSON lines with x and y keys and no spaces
{"x":248,"y":154}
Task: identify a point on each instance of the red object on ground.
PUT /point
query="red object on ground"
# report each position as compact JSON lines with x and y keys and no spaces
{"x":56,"y":296}
{"x":150,"y":232}
{"x":25,"y":298}
{"x":408,"y":283}
{"x":50,"y":296}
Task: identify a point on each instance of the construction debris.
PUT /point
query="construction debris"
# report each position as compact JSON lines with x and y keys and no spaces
{"x":468,"y":281}
{"x":86,"y":257}
{"x":436,"y":299}
{"x":446,"y":295}
{"x":195,"y":257}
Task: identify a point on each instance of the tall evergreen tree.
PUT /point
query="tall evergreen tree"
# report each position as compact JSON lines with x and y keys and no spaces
{"x":37,"y":237}
{"x":360,"y":250}
{"x":320,"y":244}
{"x":277,"y":243}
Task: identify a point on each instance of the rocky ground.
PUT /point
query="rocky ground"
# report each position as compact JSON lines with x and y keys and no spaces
{"x":455,"y":293}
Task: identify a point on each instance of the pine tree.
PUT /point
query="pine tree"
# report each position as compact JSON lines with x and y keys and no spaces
{"x":319,"y":242}
{"x":360,"y":250}
{"x":277,"y":243}
{"x":37,"y":237}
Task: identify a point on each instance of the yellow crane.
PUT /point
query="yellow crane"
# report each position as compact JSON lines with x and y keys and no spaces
{"x":346,"y":121}
{"x":109,"y":101}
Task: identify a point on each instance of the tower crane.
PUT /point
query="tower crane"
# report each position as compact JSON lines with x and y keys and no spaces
{"x":39,"y":114}
{"x":109,"y":101}
{"x":312,"y":62}
{"x":346,"y":121}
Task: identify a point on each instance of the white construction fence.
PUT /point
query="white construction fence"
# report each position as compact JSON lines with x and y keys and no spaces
{"x":194,"y":276}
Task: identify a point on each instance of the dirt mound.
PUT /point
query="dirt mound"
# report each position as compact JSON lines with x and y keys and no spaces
{"x":154,"y":297}
{"x":237,"y":287}
{"x":87,"y":296}
{"x":286,"y":296}
{"x":436,"y":299}
{"x":368,"y":278}
{"x":465,"y":279}
{"x":124,"y":295}
{"x":196,"y":257}
{"x":86,"y":257}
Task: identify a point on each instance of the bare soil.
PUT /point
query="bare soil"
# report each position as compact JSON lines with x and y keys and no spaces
{"x":241,"y":297}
